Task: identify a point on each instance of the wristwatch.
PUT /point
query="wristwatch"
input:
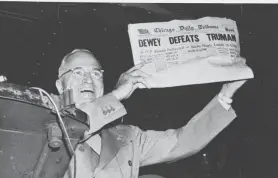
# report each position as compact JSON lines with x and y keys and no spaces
{"x":225,"y":101}
{"x":224,"y":98}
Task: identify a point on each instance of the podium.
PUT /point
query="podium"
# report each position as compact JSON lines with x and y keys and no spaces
{"x":31,"y":142}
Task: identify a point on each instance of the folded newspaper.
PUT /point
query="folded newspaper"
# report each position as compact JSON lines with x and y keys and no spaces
{"x":186,"y":52}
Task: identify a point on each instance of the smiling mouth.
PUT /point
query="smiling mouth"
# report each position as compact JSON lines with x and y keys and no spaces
{"x":86,"y":90}
{"x":87,"y":93}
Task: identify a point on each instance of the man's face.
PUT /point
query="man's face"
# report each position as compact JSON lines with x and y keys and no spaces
{"x":83,"y":75}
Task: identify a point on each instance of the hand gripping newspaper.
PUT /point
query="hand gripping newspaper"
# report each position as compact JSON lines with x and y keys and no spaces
{"x":186,"y":52}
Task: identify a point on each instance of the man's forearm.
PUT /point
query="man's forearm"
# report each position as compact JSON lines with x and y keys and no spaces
{"x":195,"y":135}
{"x":102,"y":111}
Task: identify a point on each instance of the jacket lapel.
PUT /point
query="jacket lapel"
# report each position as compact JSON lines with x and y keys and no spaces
{"x":111,"y":143}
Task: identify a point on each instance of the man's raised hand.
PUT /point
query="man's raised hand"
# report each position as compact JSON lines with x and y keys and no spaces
{"x":129,"y":81}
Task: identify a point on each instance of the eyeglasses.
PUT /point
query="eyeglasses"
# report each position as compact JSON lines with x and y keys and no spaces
{"x":79,"y":72}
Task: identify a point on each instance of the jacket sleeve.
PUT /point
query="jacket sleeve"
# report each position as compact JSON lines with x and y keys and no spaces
{"x":103,"y":111}
{"x":174,"y":144}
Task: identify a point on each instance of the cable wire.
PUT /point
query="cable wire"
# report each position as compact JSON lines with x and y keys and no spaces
{"x":64,"y":130}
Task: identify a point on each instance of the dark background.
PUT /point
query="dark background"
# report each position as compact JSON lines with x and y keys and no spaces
{"x":35,"y":36}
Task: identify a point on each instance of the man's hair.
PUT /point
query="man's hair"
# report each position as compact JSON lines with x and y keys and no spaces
{"x":61,"y":70}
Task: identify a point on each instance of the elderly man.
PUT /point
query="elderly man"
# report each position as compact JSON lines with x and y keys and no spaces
{"x":119,"y":151}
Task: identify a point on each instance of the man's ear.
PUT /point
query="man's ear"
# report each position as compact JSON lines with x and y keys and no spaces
{"x":59,"y":86}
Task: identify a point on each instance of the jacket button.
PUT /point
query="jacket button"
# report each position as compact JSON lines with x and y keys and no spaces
{"x":81,"y":148}
{"x":104,"y":112}
{"x":129,"y":163}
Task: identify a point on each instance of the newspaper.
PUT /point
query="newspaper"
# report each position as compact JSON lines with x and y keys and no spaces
{"x":185,"y":52}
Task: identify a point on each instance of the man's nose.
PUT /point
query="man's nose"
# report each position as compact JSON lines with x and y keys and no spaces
{"x":88,"y":79}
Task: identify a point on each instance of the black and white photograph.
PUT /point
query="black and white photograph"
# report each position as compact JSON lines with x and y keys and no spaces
{"x":138,"y":90}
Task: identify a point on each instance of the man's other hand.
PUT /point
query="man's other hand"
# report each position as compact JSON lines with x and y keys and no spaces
{"x":129,"y":81}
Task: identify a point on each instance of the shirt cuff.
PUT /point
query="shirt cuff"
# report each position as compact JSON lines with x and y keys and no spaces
{"x":225,"y":101}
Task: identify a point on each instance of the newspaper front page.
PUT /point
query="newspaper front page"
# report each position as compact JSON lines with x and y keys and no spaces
{"x":186,"y":52}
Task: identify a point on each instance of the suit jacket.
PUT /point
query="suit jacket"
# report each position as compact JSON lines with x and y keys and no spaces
{"x":125,"y":148}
